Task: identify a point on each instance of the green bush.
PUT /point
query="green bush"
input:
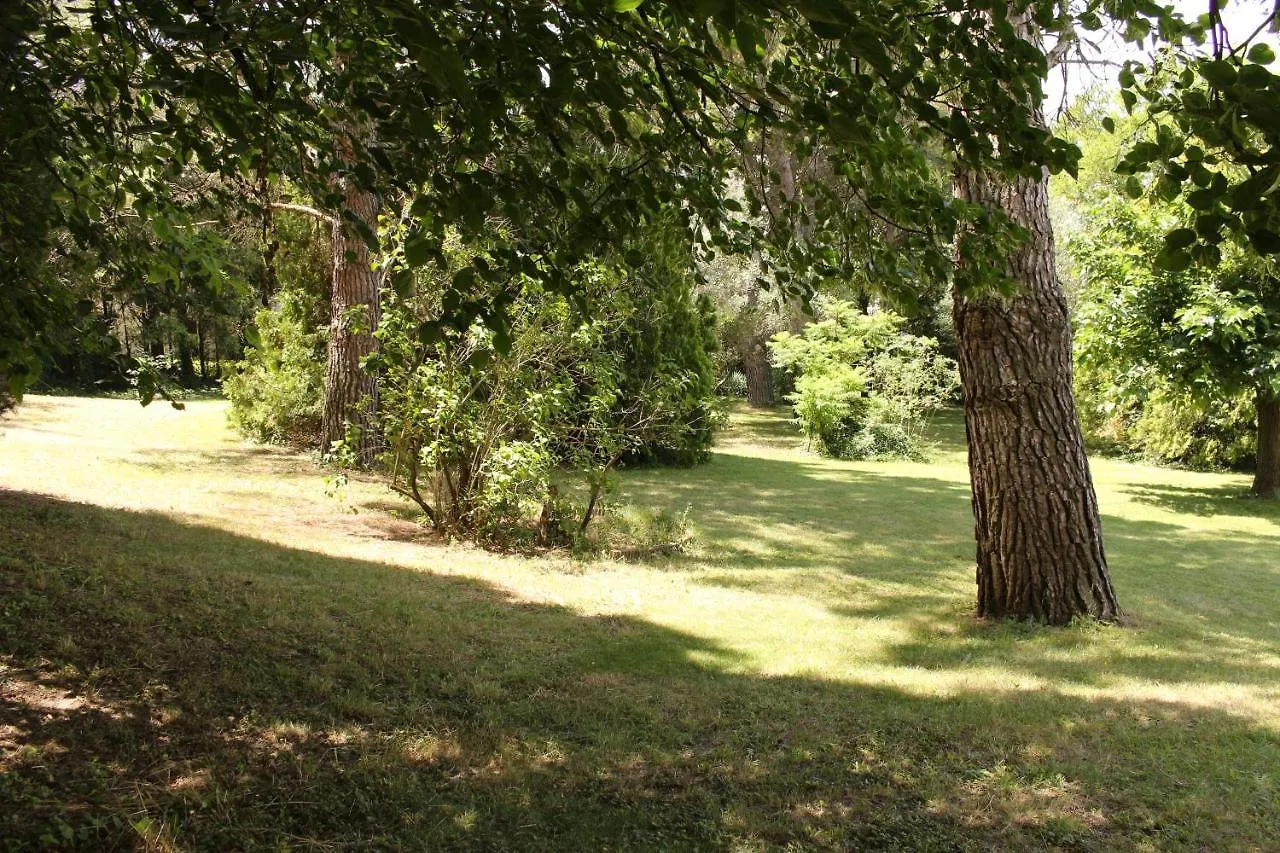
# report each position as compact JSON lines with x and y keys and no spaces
{"x":277,"y":391}
{"x":863,"y":388}
{"x":1177,"y":428}
{"x":880,"y":440}
{"x":1163,"y":425}
{"x":829,"y":405}
{"x":1167,"y":362}
{"x":733,"y":385}
{"x":484,"y":428}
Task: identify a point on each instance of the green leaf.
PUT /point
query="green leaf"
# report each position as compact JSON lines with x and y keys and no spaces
{"x":430,"y":333}
{"x":1256,"y":77}
{"x":1179,"y":238}
{"x":1219,"y":72}
{"x":1209,"y":226}
{"x":1265,"y":242}
{"x":402,"y":283}
{"x":1203,"y":199}
{"x":749,"y":38}
{"x":1262,"y":54}
{"x":1109,"y":124}
{"x":1206,"y":254}
{"x":626,"y":5}
{"x":1176,"y":261}
{"x":417,"y":250}
{"x":464,"y":279}
{"x":1133,"y":187}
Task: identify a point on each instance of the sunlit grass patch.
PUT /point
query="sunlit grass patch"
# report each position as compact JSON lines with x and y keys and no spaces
{"x":206,"y":647}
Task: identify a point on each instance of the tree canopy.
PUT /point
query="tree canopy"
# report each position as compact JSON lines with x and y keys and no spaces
{"x":481,"y":110}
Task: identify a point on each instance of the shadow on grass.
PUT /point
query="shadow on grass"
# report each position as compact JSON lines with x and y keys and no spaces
{"x":770,"y":428}
{"x":168,"y":684}
{"x":1205,"y":502}
{"x":250,"y":459}
{"x":772,"y":517}
{"x":1199,"y":624}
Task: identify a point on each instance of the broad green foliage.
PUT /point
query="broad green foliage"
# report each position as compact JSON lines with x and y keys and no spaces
{"x":275,"y":392}
{"x":1168,"y":362}
{"x":863,"y":388}
{"x":489,"y":111}
{"x":494,"y":440}
{"x":1216,"y":147}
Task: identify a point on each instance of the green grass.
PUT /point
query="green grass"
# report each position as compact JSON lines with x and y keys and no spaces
{"x":202,"y":648}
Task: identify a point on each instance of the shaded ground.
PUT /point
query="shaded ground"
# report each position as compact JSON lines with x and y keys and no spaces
{"x":216,"y":655}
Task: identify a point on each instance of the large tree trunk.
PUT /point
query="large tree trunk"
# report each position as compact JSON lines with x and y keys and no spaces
{"x":759,"y":373}
{"x":351,"y":392}
{"x":1039,"y":535}
{"x":1266,"y":478}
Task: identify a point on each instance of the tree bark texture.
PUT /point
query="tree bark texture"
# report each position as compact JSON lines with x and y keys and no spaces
{"x":759,"y":373}
{"x":1266,"y":478}
{"x":1039,"y":535}
{"x":351,"y":392}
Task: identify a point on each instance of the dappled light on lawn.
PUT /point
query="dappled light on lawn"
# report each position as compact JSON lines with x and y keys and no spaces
{"x":202,"y":640}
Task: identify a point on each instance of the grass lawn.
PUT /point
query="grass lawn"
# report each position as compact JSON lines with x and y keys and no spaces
{"x":202,"y":648}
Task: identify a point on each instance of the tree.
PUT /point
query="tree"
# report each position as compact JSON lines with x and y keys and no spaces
{"x":477,"y":110}
{"x":350,"y":391}
{"x":1040,"y":552}
{"x":1209,"y":335}
{"x":1218,"y":150}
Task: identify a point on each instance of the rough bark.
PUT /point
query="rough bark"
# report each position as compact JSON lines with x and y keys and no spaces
{"x":1266,"y":478}
{"x":1039,"y":536}
{"x":350,"y":392}
{"x":759,"y":373}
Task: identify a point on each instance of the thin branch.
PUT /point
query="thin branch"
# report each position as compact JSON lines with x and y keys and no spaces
{"x":1091,"y":63}
{"x":1269,"y":21}
{"x":1058,"y":53}
{"x":677,"y":108}
{"x":314,"y":212}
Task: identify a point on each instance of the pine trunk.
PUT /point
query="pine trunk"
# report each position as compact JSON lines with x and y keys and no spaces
{"x":755,"y":364}
{"x":351,"y":392}
{"x":1266,"y":478}
{"x":1039,"y":535}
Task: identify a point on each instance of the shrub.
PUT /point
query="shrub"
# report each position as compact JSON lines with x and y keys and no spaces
{"x":480,"y":425}
{"x":829,"y":404}
{"x":1164,"y":425}
{"x":733,"y":385}
{"x":863,"y":388}
{"x":276,"y":392}
{"x":880,"y":440}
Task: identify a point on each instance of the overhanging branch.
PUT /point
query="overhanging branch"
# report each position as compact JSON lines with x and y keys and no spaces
{"x":314,"y":212}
